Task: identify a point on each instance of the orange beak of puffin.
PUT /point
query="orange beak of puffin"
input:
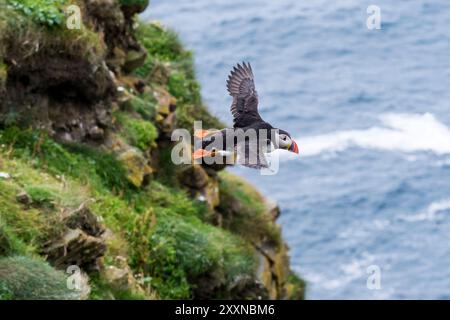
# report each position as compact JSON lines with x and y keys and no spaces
{"x":293,"y":147}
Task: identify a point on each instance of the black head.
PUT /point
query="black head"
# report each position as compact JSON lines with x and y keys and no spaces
{"x":286,"y":142}
{"x":281,"y":131}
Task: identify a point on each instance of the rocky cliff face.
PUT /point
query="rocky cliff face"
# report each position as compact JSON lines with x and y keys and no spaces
{"x":86,"y":178}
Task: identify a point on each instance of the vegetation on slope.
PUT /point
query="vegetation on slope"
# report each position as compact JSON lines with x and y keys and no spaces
{"x":22,"y":278}
{"x":170,"y":243}
{"x":170,"y":64}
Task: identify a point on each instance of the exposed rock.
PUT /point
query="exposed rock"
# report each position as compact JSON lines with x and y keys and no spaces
{"x":121,"y":277}
{"x":96,"y":133}
{"x":200,"y":185}
{"x":78,"y":282}
{"x":166,"y":102}
{"x":274,"y":269}
{"x":273,"y":209}
{"x":194,"y":177}
{"x":116,"y":23}
{"x":65,"y":99}
{"x":248,"y":288}
{"x":168,"y":123}
{"x":81,"y":243}
{"x":103,"y":115}
{"x":134,"y":59}
{"x":243,"y":287}
{"x":165,"y":111}
{"x":76,"y":247}
{"x":23,"y":198}
{"x":159,"y":73}
{"x":117,"y":58}
{"x":84,"y":219}
{"x":136,"y":165}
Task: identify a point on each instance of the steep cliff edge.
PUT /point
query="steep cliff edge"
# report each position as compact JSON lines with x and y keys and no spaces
{"x":87,"y":187}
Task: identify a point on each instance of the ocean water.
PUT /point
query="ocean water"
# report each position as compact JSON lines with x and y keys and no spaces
{"x":370,"y":112}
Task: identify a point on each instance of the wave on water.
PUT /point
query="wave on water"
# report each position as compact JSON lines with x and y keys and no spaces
{"x":430,"y":212}
{"x":399,"y":132}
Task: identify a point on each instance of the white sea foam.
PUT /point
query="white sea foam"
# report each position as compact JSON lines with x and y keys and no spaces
{"x":354,"y":270}
{"x":431,"y":212}
{"x":398,"y":132}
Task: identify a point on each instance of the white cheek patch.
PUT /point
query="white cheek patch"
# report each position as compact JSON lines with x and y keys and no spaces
{"x":284,"y":143}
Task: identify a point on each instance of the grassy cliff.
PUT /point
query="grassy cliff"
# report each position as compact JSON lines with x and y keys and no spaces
{"x":85,"y":173}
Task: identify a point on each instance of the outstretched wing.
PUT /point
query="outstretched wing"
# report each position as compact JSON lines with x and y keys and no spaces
{"x":241,"y":86}
{"x":250,"y":155}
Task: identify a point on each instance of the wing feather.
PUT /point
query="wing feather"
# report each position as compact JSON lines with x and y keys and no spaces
{"x":241,"y":86}
{"x":250,"y":155}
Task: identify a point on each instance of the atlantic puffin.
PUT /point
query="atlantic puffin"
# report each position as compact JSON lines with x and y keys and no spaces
{"x":246,"y":149}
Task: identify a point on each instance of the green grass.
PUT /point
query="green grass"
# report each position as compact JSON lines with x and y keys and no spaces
{"x":23,"y":278}
{"x":160,"y":228}
{"x":161,"y":44}
{"x":143,"y":104}
{"x":3,"y":73}
{"x":10,"y":242}
{"x":30,"y":226}
{"x":101,"y":290}
{"x":79,"y":161}
{"x":42,"y":195}
{"x":165,"y":49}
{"x":184,"y":248}
{"x":24,"y":228}
{"x":251,"y":220}
{"x":138,"y":132}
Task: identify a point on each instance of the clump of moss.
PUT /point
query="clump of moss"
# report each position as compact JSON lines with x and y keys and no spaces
{"x":42,"y":195}
{"x":244,"y":210}
{"x":183,"y":89}
{"x":47,"y":12}
{"x":80,"y":161}
{"x":139,"y":133}
{"x":296,"y":287}
{"x":164,"y":48}
{"x":161,"y":44}
{"x":23,"y":278}
{"x":143,"y":104}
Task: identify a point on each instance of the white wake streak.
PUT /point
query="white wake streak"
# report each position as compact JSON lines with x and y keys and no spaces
{"x":400,"y":132}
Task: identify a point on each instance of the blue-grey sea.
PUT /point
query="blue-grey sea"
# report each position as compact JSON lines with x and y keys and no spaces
{"x":370,"y":112}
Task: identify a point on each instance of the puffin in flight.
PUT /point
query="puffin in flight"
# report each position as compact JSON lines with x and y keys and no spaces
{"x":246,"y":149}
